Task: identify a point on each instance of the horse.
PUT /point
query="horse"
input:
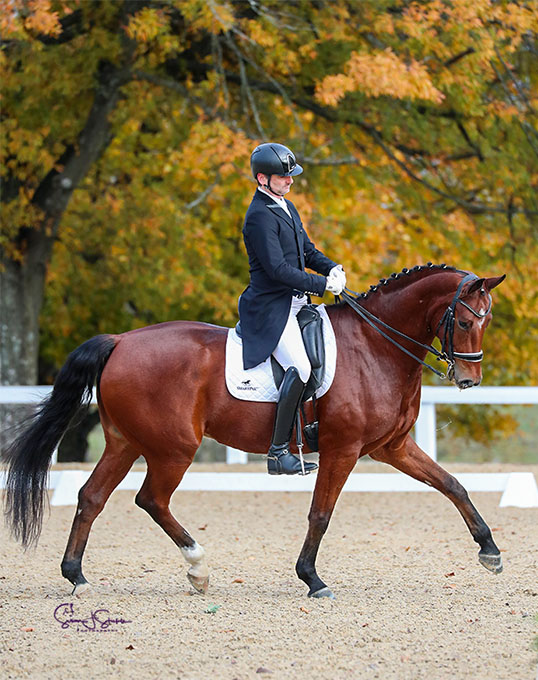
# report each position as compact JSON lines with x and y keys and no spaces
{"x":162,"y":387}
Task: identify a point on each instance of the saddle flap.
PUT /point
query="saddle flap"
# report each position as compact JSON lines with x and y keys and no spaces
{"x":311,"y":325}
{"x":260,"y":383}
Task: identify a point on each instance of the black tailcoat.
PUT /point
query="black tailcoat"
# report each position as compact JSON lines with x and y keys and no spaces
{"x":278,"y":250}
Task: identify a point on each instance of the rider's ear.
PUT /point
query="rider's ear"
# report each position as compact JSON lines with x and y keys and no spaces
{"x":489,"y":284}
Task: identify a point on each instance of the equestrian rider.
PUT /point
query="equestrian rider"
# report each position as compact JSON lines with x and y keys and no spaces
{"x":278,"y":250}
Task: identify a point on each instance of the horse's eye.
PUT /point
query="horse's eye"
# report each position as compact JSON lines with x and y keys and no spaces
{"x":464,"y":325}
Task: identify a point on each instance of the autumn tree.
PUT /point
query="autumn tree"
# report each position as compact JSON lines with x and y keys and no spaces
{"x":127,"y":128}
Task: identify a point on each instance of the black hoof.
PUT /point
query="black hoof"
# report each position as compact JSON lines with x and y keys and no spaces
{"x":323,"y":592}
{"x":492,"y":563}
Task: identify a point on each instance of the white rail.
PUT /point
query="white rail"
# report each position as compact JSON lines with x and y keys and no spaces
{"x":519,"y":488}
{"x":425,"y":428}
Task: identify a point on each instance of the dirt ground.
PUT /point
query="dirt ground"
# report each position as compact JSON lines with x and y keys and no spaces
{"x":412,"y":600}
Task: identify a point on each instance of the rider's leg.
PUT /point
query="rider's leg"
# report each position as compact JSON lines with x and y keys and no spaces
{"x":290,"y":350}
{"x":291,"y":355}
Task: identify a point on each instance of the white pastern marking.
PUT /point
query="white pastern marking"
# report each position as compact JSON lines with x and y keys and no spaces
{"x":195,"y":556}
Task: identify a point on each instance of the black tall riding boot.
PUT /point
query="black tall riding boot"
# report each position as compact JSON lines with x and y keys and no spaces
{"x":279,"y":459}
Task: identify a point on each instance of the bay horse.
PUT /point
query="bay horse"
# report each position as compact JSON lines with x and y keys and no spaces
{"x":161,"y":388}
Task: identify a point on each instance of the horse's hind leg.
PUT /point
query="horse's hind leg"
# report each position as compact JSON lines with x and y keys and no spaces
{"x":414,"y":462}
{"x":154,"y":497}
{"x":115,"y":463}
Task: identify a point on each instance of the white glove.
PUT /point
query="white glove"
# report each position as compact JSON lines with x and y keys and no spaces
{"x":336,"y":281}
{"x":339,"y":270}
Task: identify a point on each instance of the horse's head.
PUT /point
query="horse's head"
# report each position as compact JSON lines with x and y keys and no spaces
{"x":462,"y":328}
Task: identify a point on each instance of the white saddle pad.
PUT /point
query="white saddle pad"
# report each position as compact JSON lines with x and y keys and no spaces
{"x":257,"y":384}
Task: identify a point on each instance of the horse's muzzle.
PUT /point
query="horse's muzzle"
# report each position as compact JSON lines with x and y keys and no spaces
{"x":466,"y":383}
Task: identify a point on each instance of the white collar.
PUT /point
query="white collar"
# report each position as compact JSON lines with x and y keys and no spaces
{"x":279,"y":200}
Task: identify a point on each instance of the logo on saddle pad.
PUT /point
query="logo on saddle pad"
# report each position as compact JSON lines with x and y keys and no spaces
{"x":246,"y":385}
{"x":258,"y":383}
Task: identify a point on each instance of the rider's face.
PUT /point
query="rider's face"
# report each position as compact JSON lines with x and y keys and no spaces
{"x":278,"y":185}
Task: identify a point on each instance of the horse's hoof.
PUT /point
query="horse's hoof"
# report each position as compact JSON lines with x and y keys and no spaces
{"x":492,"y":563}
{"x":323,"y":592}
{"x":199,"y":583}
{"x":80,"y":588}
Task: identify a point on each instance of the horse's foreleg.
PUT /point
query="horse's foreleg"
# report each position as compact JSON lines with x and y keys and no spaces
{"x":154,"y":497}
{"x":415,"y":463}
{"x":331,"y":478}
{"x":114,"y":464}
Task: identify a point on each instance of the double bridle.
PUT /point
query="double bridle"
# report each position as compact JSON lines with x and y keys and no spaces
{"x":447,"y":353}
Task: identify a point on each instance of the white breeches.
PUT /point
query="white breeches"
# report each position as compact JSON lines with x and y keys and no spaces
{"x":290,"y":350}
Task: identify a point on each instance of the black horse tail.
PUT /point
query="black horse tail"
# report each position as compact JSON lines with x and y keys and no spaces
{"x":29,"y":455}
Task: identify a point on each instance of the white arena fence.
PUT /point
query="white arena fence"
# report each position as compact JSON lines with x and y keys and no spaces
{"x":518,"y":488}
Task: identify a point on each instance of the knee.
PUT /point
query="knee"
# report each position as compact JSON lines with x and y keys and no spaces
{"x":304,"y":369}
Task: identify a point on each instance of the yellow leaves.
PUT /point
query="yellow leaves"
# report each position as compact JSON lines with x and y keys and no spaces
{"x":35,"y":16}
{"x":10,"y":24}
{"x":384,"y":23}
{"x":147,"y":24}
{"x":259,"y":34}
{"x":213,"y":16}
{"x":151,"y":29}
{"x":503,"y":110}
{"x":378,"y":74}
{"x":307,"y":51}
{"x":42,"y":19}
{"x":115,"y":204}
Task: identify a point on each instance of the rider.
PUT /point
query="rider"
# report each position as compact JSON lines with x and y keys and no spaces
{"x":278,"y":250}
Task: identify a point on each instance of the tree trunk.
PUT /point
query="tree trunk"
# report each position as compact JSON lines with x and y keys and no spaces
{"x":74,"y":444}
{"x":21,"y":298}
{"x":22,"y":281}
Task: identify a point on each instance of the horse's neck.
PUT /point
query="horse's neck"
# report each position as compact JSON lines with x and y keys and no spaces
{"x":407,"y":308}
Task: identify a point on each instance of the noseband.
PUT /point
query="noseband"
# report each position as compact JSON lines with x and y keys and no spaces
{"x":447,"y":353}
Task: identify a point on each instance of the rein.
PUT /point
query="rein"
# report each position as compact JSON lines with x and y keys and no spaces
{"x":447,"y":354}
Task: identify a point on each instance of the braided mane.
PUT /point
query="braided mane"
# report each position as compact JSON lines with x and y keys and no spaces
{"x":395,"y":276}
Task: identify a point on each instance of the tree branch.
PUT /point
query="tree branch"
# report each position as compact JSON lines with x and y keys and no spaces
{"x":335,"y":116}
{"x":202,"y":196}
{"x":245,"y":84}
{"x":461,"y":55}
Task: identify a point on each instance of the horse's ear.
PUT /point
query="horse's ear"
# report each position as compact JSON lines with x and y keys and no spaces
{"x":489,"y":284}
{"x":475,"y":285}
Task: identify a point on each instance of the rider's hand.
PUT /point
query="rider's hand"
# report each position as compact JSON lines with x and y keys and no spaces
{"x":336,"y":281}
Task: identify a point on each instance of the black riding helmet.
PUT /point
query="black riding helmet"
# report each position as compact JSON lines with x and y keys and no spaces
{"x":274,"y":159}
